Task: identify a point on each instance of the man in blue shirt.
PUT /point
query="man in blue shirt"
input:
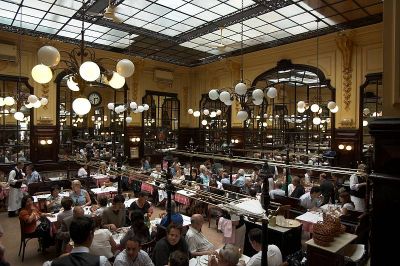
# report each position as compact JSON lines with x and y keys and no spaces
{"x":176,"y":218}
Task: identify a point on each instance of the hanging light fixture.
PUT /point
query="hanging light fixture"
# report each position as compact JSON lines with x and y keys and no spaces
{"x":20,"y":103}
{"x":82,"y":67}
{"x":244,"y":95}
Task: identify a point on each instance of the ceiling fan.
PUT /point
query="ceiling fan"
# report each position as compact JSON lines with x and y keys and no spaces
{"x":221,"y":46}
{"x":109,"y":13}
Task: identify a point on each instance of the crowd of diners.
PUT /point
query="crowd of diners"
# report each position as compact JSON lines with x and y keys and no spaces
{"x":85,"y":225}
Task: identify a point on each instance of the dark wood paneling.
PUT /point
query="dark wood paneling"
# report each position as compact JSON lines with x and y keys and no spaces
{"x":44,"y":153}
{"x":347,"y":137}
{"x":386,"y":132}
{"x":386,"y":187}
{"x":185,"y":134}
{"x":133,"y":132}
{"x":238,"y":148}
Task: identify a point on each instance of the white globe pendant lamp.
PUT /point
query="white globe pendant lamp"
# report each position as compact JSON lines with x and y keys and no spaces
{"x":242,"y":115}
{"x":19,"y":116}
{"x":117,"y":81}
{"x":128,"y":119}
{"x":72,"y":85}
{"x":241,"y":88}
{"x":49,"y":56}
{"x":272,"y":92}
{"x":9,"y":101}
{"x":41,"y":74}
{"x":89,"y":71}
{"x":81,"y":106}
{"x":125,"y":68}
{"x":213,"y":95}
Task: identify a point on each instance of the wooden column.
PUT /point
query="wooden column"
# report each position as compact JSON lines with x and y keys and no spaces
{"x":386,"y":187}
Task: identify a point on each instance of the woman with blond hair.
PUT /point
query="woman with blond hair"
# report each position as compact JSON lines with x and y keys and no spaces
{"x":79,"y":196}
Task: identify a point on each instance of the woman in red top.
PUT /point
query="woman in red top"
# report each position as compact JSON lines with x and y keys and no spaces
{"x":34,"y":222}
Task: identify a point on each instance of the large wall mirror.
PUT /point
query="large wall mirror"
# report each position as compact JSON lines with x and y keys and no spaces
{"x":160,"y":122}
{"x":214,"y":124}
{"x":102,"y":128}
{"x":280,"y":124}
{"x":371,"y":92}
{"x":15,"y":136}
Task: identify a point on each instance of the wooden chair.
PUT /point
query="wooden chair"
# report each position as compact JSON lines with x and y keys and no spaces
{"x":42,"y":202}
{"x":24,"y":240}
{"x":149,"y":246}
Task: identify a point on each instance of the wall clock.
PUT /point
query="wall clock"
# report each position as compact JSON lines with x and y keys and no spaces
{"x":94,"y":98}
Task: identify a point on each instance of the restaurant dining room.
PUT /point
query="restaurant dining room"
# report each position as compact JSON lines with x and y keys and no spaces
{"x":199,"y":132}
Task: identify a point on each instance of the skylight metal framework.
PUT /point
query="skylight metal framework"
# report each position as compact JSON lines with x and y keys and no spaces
{"x":186,"y":32}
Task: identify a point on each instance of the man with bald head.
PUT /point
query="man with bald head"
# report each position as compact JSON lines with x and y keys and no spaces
{"x":198,"y":244}
{"x":63,"y":232}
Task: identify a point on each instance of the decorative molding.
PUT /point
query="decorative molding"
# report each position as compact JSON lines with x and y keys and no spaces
{"x":134,"y":89}
{"x":345,"y":45}
{"x":347,"y":123}
{"x":45,"y":93}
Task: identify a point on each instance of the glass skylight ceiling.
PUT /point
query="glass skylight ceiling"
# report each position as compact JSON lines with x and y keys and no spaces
{"x":173,"y":17}
{"x":187,"y":31}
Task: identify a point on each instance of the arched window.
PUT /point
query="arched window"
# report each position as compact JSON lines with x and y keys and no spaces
{"x":282,"y":123}
{"x":101,"y":126}
{"x":160,"y":122}
{"x":214,"y":124}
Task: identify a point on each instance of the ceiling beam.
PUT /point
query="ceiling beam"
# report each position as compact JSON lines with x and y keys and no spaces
{"x":261,"y":7}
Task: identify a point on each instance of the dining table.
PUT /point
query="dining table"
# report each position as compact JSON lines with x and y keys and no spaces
{"x":203,"y":260}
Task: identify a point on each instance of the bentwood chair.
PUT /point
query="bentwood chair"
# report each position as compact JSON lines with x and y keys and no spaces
{"x":24,"y":240}
{"x":149,"y":246}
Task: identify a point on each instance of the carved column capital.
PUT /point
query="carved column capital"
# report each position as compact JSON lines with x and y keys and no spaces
{"x":345,"y":45}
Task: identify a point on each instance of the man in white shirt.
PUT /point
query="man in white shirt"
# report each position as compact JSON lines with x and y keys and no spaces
{"x":132,"y":255}
{"x":198,"y":244}
{"x":277,"y":190}
{"x":157,"y":173}
{"x":311,"y":200}
{"x":81,"y":232}
{"x":274,"y":255}
{"x":82,"y":171}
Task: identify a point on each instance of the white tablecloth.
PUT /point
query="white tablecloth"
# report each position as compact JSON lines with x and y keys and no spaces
{"x":203,"y":260}
{"x":308,"y":220}
{"x":106,"y":190}
{"x":45,"y":196}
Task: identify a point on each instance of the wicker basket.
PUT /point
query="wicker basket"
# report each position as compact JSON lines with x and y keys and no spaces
{"x":321,"y":243}
{"x":322,"y":229}
{"x":325,"y":238}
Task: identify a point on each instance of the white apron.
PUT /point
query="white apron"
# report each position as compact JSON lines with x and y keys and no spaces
{"x":16,"y":194}
{"x":14,"y":199}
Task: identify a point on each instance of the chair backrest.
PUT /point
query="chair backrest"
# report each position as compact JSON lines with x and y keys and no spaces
{"x":149,"y":246}
{"x":161,"y":232}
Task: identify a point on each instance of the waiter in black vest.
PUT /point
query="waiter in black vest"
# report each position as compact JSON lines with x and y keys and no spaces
{"x":358,"y":188}
{"x":15,"y":179}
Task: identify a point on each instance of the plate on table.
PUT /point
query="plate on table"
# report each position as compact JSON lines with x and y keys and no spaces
{"x":289,"y":223}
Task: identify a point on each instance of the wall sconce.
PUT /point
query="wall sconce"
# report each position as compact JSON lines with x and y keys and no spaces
{"x":235,"y":141}
{"x":135,"y":139}
{"x":345,"y":147}
{"x":46,"y":141}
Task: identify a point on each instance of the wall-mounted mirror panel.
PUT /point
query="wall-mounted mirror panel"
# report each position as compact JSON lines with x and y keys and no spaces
{"x":15,"y":136}
{"x":102,"y":128}
{"x":371,"y":92}
{"x":161,"y":122}
{"x":297,"y":119}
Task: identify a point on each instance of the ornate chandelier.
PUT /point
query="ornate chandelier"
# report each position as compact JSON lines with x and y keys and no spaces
{"x":241,"y":93}
{"x":82,"y":67}
{"x":120,"y":108}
